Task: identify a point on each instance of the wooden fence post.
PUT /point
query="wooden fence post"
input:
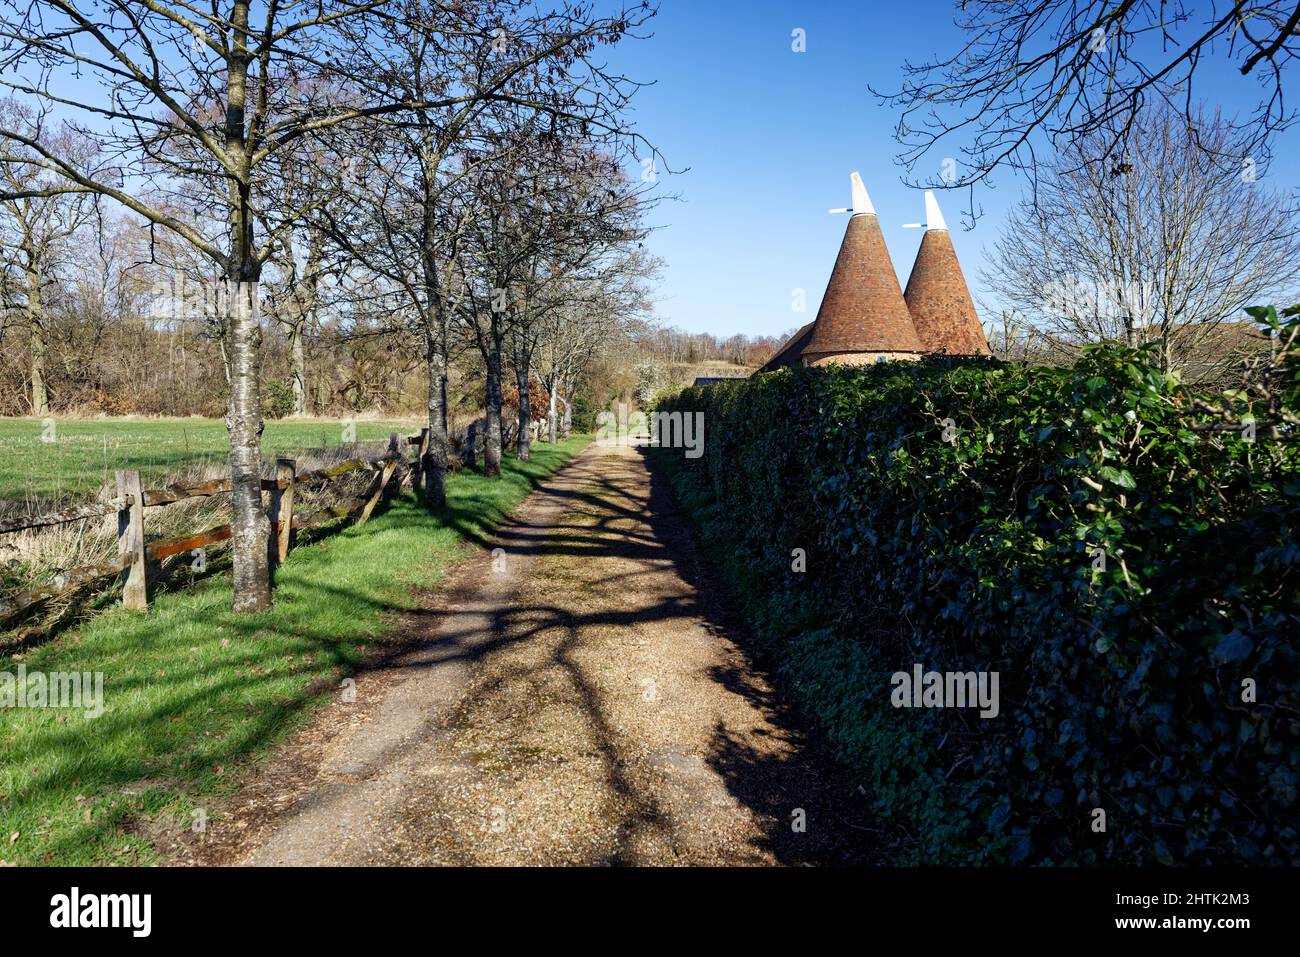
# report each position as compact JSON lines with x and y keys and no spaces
{"x":282,"y":507}
{"x":397,"y":452}
{"x":471,"y":439}
{"x":385,"y":473}
{"x":421,"y":451}
{"x":130,"y":539}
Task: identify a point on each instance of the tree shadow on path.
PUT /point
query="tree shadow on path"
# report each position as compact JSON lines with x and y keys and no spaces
{"x":803,"y":785}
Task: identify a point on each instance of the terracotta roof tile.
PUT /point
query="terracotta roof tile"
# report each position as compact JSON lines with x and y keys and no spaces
{"x":940,"y":303}
{"x":863,"y":308}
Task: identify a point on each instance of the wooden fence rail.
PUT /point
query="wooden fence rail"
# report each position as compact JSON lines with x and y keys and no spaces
{"x":135,"y":555}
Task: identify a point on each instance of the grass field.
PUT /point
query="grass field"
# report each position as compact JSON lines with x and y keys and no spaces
{"x":190,"y":690}
{"x":77,"y":456}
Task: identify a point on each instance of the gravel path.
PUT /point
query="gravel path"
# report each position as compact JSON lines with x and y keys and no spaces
{"x":575,"y":700}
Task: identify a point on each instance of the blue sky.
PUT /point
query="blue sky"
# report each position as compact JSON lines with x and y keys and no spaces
{"x":770,"y":137}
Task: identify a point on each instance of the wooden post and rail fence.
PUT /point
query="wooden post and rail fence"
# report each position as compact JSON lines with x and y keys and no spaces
{"x":135,"y":555}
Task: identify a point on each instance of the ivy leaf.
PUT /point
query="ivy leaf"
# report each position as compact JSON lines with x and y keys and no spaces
{"x":1000,"y":815}
{"x":1021,"y":849}
{"x":1233,"y":647}
{"x":1120,"y":477}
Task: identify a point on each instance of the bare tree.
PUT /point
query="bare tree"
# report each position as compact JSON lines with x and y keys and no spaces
{"x":202,"y":96}
{"x":36,"y":223}
{"x":581,"y":216}
{"x":1012,"y":339}
{"x":216,"y":95}
{"x":602,"y":308}
{"x":302,"y":284}
{"x":1070,"y":71}
{"x":1161,"y":244}
{"x":299,"y":256}
{"x":415,"y":208}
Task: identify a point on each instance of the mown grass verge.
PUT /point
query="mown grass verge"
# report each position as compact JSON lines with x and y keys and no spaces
{"x":190,"y":690}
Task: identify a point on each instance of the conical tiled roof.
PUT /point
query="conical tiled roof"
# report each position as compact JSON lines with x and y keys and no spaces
{"x":937,"y":297}
{"x":863,"y":309}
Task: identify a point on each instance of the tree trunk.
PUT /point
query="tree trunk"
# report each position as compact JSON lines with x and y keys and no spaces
{"x":305,"y":298}
{"x":552,"y":416}
{"x":249,"y":528}
{"x":36,"y":329}
{"x":567,"y":422}
{"x":434,"y":314}
{"x":523,"y":444}
{"x":492,"y":440}
{"x":299,"y":366}
{"x":435,"y":461}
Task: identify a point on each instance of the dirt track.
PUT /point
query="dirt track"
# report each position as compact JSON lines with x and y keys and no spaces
{"x":573,"y":698}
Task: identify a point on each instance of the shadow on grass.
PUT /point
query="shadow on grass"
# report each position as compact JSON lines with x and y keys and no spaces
{"x":191,"y":688}
{"x":639,"y":525}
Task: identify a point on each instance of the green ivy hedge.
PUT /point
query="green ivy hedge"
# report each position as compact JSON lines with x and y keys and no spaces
{"x":1127,"y":574}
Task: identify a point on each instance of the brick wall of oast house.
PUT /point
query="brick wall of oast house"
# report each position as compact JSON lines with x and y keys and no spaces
{"x":862,"y":314}
{"x":860,"y":358}
{"x":940,"y":302}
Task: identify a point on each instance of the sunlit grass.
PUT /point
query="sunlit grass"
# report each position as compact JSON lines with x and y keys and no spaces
{"x":40,"y":457}
{"x":191,"y":690}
